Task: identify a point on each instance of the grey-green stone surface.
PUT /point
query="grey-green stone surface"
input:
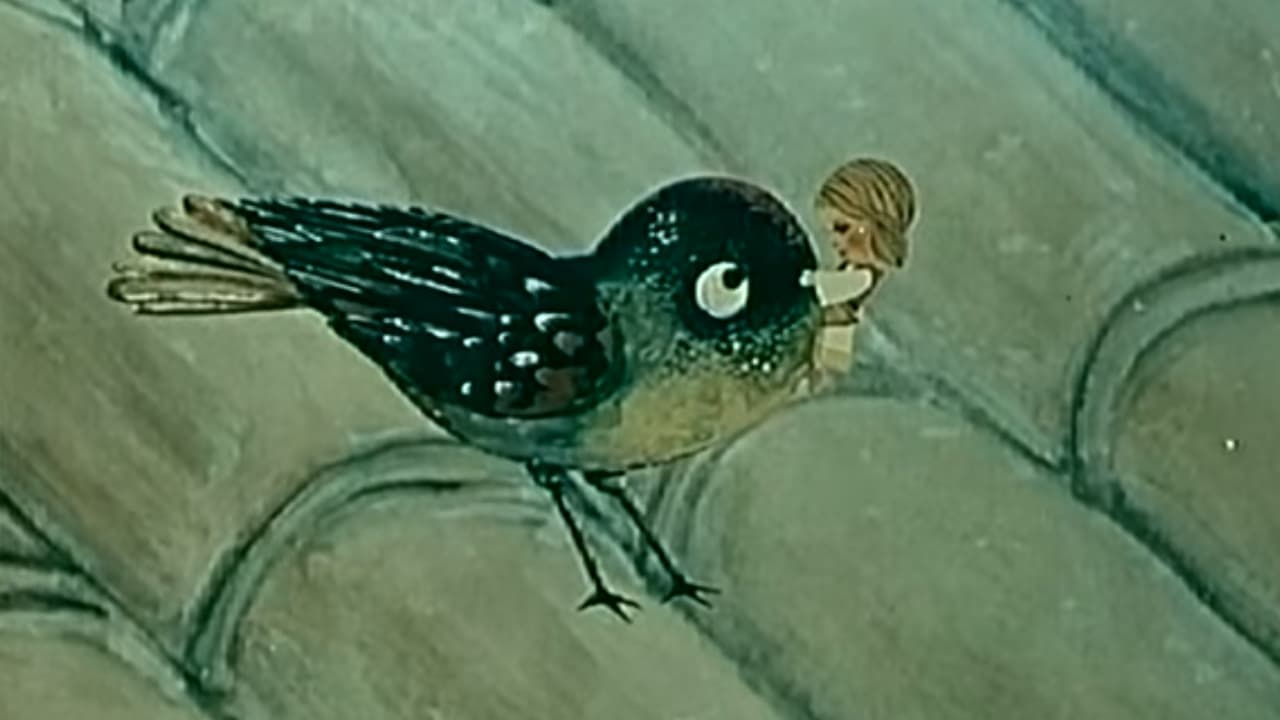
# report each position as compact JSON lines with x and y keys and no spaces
{"x":1050,"y":488}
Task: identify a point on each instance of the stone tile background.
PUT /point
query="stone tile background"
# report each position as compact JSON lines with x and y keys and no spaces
{"x":1048,"y":490}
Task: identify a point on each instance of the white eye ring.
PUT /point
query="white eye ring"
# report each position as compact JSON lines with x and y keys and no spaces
{"x":716,"y":297}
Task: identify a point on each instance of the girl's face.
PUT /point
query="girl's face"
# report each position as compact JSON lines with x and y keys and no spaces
{"x":857,"y":241}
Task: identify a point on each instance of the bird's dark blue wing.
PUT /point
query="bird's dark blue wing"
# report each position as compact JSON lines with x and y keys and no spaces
{"x":451,"y":310}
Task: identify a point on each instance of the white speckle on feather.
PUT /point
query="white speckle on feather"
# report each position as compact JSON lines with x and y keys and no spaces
{"x":543,"y":321}
{"x":524,"y":359}
{"x":536,"y":285}
{"x":448,"y":272}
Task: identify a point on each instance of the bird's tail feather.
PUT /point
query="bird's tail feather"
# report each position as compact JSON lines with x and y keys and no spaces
{"x":200,"y":260}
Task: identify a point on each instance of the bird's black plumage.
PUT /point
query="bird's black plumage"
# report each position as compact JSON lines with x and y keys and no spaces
{"x":459,"y":313}
{"x":452,"y":310}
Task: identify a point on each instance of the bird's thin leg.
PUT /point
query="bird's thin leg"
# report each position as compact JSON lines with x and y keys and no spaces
{"x":552,"y":479}
{"x":612,"y":484}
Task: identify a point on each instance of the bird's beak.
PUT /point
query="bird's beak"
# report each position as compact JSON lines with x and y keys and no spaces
{"x":835,"y":287}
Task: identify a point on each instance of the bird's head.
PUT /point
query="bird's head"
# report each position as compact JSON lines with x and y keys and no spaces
{"x":716,"y":263}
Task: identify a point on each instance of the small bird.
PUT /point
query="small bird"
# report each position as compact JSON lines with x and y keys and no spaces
{"x":686,"y":323}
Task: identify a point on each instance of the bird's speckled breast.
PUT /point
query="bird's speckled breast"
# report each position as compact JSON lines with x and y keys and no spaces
{"x":690,"y":406}
{"x":677,"y":395}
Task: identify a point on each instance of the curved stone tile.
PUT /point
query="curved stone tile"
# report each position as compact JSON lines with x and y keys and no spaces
{"x":1040,"y":200}
{"x":1130,"y":359}
{"x":1206,"y":77}
{"x":450,"y":476}
{"x":493,"y":110}
{"x":1194,"y":453}
{"x":46,"y":676}
{"x":882,"y":559}
{"x":141,"y":445}
{"x":142,"y":31}
{"x":16,"y":543}
{"x":390,"y":615}
{"x":16,"y":540}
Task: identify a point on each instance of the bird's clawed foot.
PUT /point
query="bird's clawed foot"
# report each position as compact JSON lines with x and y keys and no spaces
{"x":554,"y":480}
{"x":682,"y":586}
{"x":615,"y":603}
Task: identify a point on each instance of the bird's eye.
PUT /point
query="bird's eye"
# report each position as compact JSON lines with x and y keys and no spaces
{"x":722,"y":290}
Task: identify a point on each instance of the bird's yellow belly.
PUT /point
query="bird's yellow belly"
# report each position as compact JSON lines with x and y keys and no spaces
{"x":677,"y":416}
{"x":661,"y":416}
